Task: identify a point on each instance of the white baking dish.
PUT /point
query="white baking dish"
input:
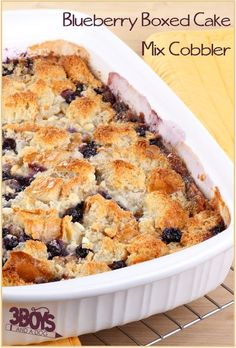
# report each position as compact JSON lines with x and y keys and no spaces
{"x":105,"y":300}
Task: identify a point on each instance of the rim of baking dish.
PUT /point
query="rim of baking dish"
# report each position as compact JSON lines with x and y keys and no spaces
{"x":121,"y":279}
{"x":165,"y":266}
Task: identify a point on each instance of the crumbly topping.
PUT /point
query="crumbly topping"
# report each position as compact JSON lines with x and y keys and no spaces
{"x":87,"y":187}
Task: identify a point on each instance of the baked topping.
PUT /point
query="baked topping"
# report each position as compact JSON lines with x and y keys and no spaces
{"x":87,"y":186}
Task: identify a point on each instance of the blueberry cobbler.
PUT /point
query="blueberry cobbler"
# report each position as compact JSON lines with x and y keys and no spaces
{"x":87,"y":186}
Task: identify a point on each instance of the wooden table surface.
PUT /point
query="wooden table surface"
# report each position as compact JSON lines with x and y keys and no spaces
{"x":217,"y":330}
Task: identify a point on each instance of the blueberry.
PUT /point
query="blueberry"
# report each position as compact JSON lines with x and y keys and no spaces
{"x":80,"y":87}
{"x":7,"y":71}
{"x":117,"y":265}
{"x":24,"y":181}
{"x":14,"y":185}
{"x":14,"y":230}
{"x":159,"y":143}
{"x":171,"y":235}
{"x":9,"y":144}
{"x":5,"y":231}
{"x":24,"y":237}
{"x":121,"y":206}
{"x":138,"y":215}
{"x":10,"y":241}
{"x":90,"y":149}
{"x":141,"y":130}
{"x":120,"y":107}
{"x":218,"y":228}
{"x":9,"y":196}
{"x":36,"y":168}
{"x":69,"y":95}
{"x":82,"y":252}
{"x":72,"y":130}
{"x":107,"y":95}
{"x":76,"y":212}
{"x":105,"y":195}
{"x":29,"y":65}
{"x":6,"y":172}
{"x":56,"y":248}
{"x":123,"y":112}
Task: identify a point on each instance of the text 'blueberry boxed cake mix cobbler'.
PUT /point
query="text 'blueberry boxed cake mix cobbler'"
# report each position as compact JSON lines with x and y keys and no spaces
{"x":88,"y":187}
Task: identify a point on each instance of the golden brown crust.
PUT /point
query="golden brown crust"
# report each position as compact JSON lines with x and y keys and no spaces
{"x":88,"y":111}
{"x":163,"y":211}
{"x":58,"y":86}
{"x":48,"y":71}
{"x":57,"y":48}
{"x":49,"y":138}
{"x":145,"y":247}
{"x":198,"y":228}
{"x":115,"y":134}
{"x":110,"y":250}
{"x":21,"y":269}
{"x":123,"y":176}
{"x":47,"y":159}
{"x":44,"y":225}
{"x":45,"y":189}
{"x":164,"y":180}
{"x":106,"y":216}
{"x":21,"y":106}
{"x":22,"y":127}
{"x":77,"y":69}
{"x":92,"y":267}
{"x":34,"y":248}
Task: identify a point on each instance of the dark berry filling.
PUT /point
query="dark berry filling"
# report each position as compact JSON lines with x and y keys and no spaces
{"x":28,"y":64}
{"x":159,"y":143}
{"x":76,"y":212}
{"x":5,"y":231}
{"x":13,"y":229}
{"x":178,"y":165}
{"x":122,"y":206}
{"x":105,"y":195}
{"x":171,"y":235}
{"x":117,"y":264}
{"x":89,"y":150}
{"x":7,"y":71}
{"x":24,"y":237}
{"x":9,"y":144}
{"x":69,"y":95}
{"x":36,"y":168}
{"x":123,"y":113}
{"x":24,"y":181}
{"x":120,"y":107}
{"x":72,"y":130}
{"x":10,"y":241}
{"x":141,"y":130}
{"x":9,"y":196}
{"x":138,"y":214}
{"x":82,"y":252}
{"x":56,"y":248}
{"x":107,"y":95}
{"x":218,"y":228}
{"x":13,"y":184}
{"x":6,"y":172}
{"x":9,"y":66}
{"x":16,"y":182}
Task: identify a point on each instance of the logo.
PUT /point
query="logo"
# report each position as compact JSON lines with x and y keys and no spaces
{"x":37,"y":321}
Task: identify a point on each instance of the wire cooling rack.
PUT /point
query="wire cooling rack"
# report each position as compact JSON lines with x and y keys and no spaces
{"x":153,"y":330}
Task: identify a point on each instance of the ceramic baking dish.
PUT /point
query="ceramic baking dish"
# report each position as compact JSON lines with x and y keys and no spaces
{"x":97,"y":302}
